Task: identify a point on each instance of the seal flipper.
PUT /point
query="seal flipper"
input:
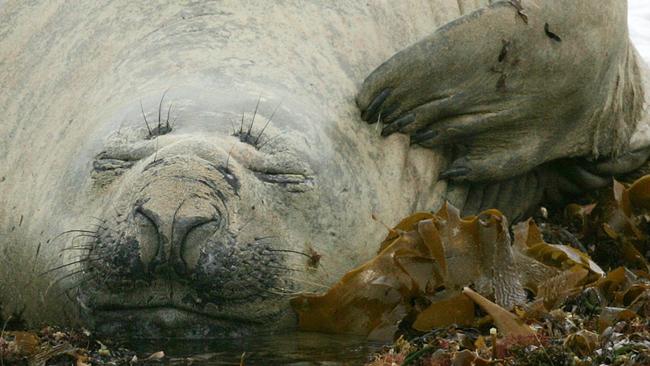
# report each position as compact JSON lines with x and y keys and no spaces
{"x":516,"y":197}
{"x":514,"y":91}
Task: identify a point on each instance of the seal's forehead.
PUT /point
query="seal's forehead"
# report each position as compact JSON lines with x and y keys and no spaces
{"x":194,"y":109}
{"x":264,"y":118}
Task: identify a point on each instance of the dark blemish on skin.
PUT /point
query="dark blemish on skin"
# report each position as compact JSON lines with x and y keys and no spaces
{"x":550,"y":34}
{"x":314,"y":257}
{"x":504,"y":50}
{"x":21,"y":220}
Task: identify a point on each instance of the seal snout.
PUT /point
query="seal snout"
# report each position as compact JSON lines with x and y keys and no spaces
{"x":181,"y":239}
{"x":171,"y":238}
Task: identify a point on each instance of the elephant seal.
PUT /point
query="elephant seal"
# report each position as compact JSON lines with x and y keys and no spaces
{"x":183,"y":169}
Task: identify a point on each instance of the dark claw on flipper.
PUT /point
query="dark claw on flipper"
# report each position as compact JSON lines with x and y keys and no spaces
{"x":454,"y":173}
{"x":423,"y":136}
{"x":385,"y":112}
{"x":369,"y":115}
{"x":398,"y":125}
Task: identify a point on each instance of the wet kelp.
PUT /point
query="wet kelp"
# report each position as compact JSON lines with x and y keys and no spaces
{"x":435,"y":271}
{"x":426,"y":261}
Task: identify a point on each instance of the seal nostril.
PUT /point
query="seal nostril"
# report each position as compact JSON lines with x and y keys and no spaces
{"x":148,"y":238}
{"x":196,"y":238}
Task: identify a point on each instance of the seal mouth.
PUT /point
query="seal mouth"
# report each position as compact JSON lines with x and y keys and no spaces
{"x":174,"y":312}
{"x":173,"y":319}
{"x":163,"y":309}
{"x":157,"y":322}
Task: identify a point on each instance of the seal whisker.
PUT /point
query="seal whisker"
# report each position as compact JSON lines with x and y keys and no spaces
{"x":70,"y":232}
{"x":145,"y":119}
{"x":250,"y":128}
{"x":86,"y":280}
{"x":311,"y":283}
{"x":68,"y":275}
{"x":266,"y":125}
{"x":155,"y":156}
{"x":290,"y":251}
{"x":84,"y":236}
{"x":243,"y":226}
{"x":110,"y":229}
{"x":282,"y":292}
{"x":167,"y":127}
{"x":98,"y":226}
{"x":232,"y":124}
{"x":74,"y":231}
{"x":86,"y":248}
{"x":103,"y":221}
{"x":285,"y":268}
{"x":241,"y":126}
{"x":160,"y":109}
{"x":88,"y":243}
{"x":98,"y":219}
{"x":228,"y":157}
{"x":75,"y":285}
{"x":104,"y":276}
{"x":84,"y":260}
{"x":271,"y":139}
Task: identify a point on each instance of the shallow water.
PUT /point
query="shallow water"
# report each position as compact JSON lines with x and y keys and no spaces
{"x":292,"y":348}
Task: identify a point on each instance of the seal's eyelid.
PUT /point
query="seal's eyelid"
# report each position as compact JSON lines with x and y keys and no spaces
{"x":104,"y":164}
{"x":292,"y":181}
{"x":106,"y":168}
{"x":131,"y":151}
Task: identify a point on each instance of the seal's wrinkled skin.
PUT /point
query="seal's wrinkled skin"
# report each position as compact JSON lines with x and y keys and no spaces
{"x":183,"y":169}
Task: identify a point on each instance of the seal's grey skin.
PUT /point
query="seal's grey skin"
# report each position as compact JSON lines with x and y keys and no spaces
{"x":187,"y":212}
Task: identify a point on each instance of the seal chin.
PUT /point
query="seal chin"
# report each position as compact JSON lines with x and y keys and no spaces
{"x":114,"y":314}
{"x":169,"y":321}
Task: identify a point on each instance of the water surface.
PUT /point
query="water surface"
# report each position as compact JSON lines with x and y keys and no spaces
{"x":291,"y":348}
